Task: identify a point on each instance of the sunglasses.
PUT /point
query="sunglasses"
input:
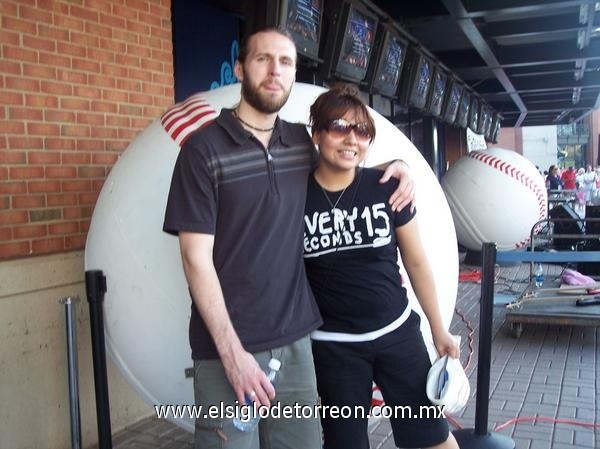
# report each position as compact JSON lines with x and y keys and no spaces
{"x":341,"y":128}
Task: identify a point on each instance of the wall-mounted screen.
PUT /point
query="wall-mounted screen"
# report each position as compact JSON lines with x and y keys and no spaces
{"x":389,"y":65}
{"x":462,"y":117}
{"x":484,"y":124}
{"x":302,"y":18}
{"x":452,"y":101}
{"x":421,"y":81}
{"x":437,"y":91}
{"x":358,"y":37}
{"x":474,"y":114}
{"x":495,"y":128}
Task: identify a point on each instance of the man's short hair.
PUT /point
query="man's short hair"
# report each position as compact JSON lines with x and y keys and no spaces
{"x":246,"y":40}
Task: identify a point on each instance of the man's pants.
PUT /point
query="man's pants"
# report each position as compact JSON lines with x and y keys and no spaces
{"x":296,"y":391}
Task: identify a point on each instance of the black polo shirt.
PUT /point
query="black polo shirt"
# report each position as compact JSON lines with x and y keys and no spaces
{"x":252,"y":200}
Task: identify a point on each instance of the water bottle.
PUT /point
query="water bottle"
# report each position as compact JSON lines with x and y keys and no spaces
{"x":247,"y":422}
{"x":539,"y":275}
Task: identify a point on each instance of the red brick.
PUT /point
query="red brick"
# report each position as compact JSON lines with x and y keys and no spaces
{"x":8,"y":37}
{"x":59,"y":144}
{"x":25,"y":143}
{"x":105,"y":158}
{"x":75,"y":131}
{"x":89,"y":144}
{"x":72,"y":76}
{"x":25,"y":232}
{"x":60,"y":172}
{"x":79,"y":185}
{"x":88,"y":198}
{"x":114,"y":70}
{"x":6,"y":234}
{"x":10,"y":67}
{"x":85,"y":40}
{"x":41,"y":100}
{"x":102,"y":56}
{"x":54,"y":60}
{"x":71,"y":213}
{"x":12,"y":157}
{"x":57,"y":88}
{"x":70,"y":227}
{"x":22,"y":84}
{"x":126,"y":36}
{"x":76,"y":158}
{"x":97,"y":184}
{"x":112,"y":95}
{"x":91,"y":172}
{"x":88,"y":118}
{"x":151,"y":19}
{"x":112,"y":21}
{"x":59,"y":116}
{"x":69,"y":199}
{"x":142,"y":75}
{"x":10,"y":98}
{"x":138,"y":5}
{"x":75,"y":241}
{"x":127,"y":134}
{"x":58,"y":34}
{"x":128,"y":60}
{"x":45,"y":246}
{"x":43,"y":129}
{"x":26,"y":172}
{"x":38,"y":71}
{"x":28,"y":201}
{"x":13,"y":217}
{"x":38,"y":44}
{"x":124,"y":11}
{"x":20,"y":113}
{"x":15,"y":24}
{"x":68,"y":22}
{"x":139,"y":28}
{"x":43,"y":186}
{"x":43,"y":157}
{"x":75,"y":103}
{"x":98,"y":30}
{"x":86,"y":65}
{"x":14,"y":249}
{"x":64,"y":48}
{"x":3,"y":173}
{"x":12,"y":127}
{"x":102,"y":81}
{"x":4,"y":202}
{"x":103,"y":106}
{"x":34,"y":14}
{"x":84,"y":225}
{"x":84,"y":13}
{"x":13,"y":187}
{"x":105,"y":133}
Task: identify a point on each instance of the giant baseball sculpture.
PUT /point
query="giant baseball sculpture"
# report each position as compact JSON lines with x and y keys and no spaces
{"x":147,"y":305}
{"x":497,"y":196}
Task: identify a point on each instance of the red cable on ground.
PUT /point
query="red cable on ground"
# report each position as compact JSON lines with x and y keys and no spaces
{"x":470,"y":276}
{"x":546,"y":419}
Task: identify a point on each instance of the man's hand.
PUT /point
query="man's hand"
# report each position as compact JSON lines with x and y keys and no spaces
{"x":405,"y":193}
{"x":248,"y":379}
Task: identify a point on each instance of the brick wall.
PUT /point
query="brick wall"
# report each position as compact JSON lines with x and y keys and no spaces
{"x":78,"y":80}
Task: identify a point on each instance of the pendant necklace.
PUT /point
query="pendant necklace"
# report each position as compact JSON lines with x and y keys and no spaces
{"x":333,"y":205}
{"x":255,"y":128}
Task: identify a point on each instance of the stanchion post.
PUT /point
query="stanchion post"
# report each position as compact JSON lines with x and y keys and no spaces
{"x":480,"y":437}
{"x":95,"y":286}
{"x":72,"y":370}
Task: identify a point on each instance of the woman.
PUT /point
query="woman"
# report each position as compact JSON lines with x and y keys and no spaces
{"x":350,"y":249}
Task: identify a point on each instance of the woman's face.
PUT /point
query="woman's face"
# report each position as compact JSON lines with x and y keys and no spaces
{"x":344,"y":144}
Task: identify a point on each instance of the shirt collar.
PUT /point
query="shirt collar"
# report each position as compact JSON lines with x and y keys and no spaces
{"x":240,"y":135}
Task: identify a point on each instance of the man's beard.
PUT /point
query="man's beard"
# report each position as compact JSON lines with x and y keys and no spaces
{"x":262,"y":103}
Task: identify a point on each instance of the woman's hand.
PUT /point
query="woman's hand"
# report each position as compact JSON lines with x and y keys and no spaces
{"x":446,"y":343}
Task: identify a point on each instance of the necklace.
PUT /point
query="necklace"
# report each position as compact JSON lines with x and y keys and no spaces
{"x":333,"y":205}
{"x":255,"y":128}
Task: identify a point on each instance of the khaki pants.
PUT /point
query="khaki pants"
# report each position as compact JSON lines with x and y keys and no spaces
{"x":295,"y":384}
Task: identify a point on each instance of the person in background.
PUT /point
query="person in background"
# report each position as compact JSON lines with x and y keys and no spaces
{"x":236,"y":204}
{"x":589,"y":182}
{"x":369,"y":332}
{"x":568,"y":179}
{"x":553,"y":181}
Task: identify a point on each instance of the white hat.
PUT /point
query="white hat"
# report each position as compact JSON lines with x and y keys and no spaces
{"x":448,"y":385}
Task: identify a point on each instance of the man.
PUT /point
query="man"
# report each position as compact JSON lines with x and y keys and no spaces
{"x":236,"y":203}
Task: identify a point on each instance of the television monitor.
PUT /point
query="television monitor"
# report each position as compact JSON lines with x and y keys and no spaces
{"x":437,"y":91}
{"x":452,"y":101}
{"x":350,"y":47}
{"x":486,"y":119}
{"x":462,"y":117}
{"x":495,"y":128}
{"x":480,"y":128}
{"x":474,"y":114}
{"x":303,"y":19}
{"x":389,"y":64}
{"x":421,"y":80}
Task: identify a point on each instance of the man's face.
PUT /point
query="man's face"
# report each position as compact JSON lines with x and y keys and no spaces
{"x":269,"y":71}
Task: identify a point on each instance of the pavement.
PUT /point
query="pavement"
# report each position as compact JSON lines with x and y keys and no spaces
{"x":544,"y":385}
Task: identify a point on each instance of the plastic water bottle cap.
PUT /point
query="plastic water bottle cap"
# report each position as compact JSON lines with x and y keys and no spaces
{"x":274,"y":364}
